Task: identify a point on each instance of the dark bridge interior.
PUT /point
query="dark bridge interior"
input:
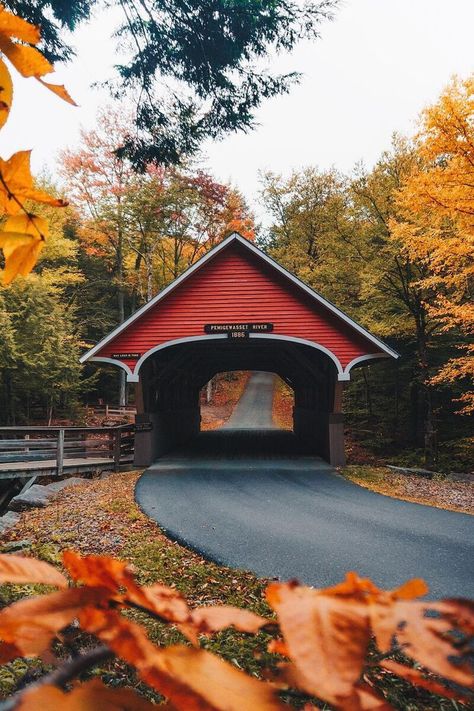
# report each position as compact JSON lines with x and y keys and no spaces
{"x":171,"y":380}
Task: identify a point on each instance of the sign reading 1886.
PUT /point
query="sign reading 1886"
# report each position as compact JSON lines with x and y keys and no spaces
{"x":238,"y":330}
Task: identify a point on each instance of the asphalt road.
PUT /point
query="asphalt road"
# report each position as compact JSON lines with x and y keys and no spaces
{"x":254,"y":409}
{"x":243,"y":498}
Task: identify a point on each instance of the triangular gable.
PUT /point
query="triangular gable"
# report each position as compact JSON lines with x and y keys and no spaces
{"x":236,"y":281}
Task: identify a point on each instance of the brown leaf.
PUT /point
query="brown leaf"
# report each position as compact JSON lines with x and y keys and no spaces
{"x":117,"y":575}
{"x":161,"y":600}
{"x":424,"y":637}
{"x":365,"y":589}
{"x":326,"y":636}
{"x":127,"y":639}
{"x":197,"y":680}
{"x":99,"y":570}
{"x":86,"y":697}
{"x":193,"y":680}
{"x":31,"y":624}
{"x":214,"y":618}
{"x":416,"y":677}
{"x":18,"y":569}
{"x":59,"y":90}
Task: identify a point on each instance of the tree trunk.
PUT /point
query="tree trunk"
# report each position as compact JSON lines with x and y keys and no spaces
{"x":396,"y":423}
{"x":209,"y":391}
{"x":368,"y":396}
{"x":122,"y":388}
{"x":429,"y":432}
{"x":149,"y":280}
{"x":120,"y":297}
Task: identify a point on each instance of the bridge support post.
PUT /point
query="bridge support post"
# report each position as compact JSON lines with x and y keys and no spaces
{"x":144,"y":453}
{"x":337,"y":453}
{"x":146,"y":440}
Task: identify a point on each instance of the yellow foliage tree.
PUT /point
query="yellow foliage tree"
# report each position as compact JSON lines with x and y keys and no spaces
{"x":22,"y":234}
{"x":437,"y":225}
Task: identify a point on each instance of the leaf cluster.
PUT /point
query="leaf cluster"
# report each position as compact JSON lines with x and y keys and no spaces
{"x":324,"y":643}
{"x":23,"y":234}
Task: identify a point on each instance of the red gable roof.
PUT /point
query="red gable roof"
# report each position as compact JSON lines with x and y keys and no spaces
{"x":238,"y":283}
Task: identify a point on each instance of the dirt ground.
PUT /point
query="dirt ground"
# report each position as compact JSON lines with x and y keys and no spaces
{"x":283,"y":406}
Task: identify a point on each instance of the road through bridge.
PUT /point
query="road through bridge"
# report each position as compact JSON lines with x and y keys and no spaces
{"x":249,"y":498}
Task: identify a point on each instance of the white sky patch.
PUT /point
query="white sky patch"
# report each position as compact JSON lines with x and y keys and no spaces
{"x":373,"y":70}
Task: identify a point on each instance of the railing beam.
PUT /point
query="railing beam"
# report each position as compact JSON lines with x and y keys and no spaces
{"x":117,"y":448}
{"x":60,"y":453}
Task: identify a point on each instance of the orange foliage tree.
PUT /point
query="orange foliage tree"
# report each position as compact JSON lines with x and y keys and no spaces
{"x":22,"y":233}
{"x":323,"y":641}
{"x":152,"y":226}
{"x":437,"y":222}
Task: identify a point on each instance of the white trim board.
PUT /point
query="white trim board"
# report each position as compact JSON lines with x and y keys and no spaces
{"x":343,"y":374}
{"x":235,"y":237}
{"x":360,"y":359}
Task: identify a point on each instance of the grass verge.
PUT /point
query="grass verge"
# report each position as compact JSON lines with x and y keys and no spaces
{"x":440,"y":492}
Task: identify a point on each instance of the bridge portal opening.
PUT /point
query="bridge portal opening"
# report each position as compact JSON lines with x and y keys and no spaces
{"x":251,"y":400}
{"x":175,"y":380}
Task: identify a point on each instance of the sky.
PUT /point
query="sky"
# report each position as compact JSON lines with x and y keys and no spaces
{"x":375,"y":67}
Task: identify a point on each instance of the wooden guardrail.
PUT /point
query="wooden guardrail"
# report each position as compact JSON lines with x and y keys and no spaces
{"x":113,"y":410}
{"x":63,"y":444}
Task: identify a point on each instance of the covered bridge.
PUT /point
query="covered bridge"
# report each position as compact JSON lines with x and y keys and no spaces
{"x":237,"y":309}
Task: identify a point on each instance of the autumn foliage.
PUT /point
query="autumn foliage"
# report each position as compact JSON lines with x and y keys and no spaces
{"x":436,"y":224}
{"x":323,"y":642}
{"x":22,"y":234}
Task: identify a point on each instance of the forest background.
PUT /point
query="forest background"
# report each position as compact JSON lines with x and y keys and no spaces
{"x":391,"y":246}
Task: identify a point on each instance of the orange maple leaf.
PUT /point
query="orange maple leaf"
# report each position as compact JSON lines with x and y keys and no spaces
{"x":22,"y":239}
{"x":27,"y":60}
{"x":6,"y":93}
{"x":16,"y":185}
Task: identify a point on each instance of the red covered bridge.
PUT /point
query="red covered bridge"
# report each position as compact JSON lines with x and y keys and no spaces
{"x":237,"y":309}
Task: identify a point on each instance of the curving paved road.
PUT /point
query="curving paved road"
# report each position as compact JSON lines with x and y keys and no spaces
{"x":254,"y":409}
{"x":244,"y":499}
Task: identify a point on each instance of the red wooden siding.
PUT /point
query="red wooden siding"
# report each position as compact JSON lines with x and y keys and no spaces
{"x":237,"y":286}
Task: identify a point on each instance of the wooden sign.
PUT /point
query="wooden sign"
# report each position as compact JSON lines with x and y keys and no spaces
{"x":143,"y":426}
{"x":124,"y":356}
{"x":230,"y":328}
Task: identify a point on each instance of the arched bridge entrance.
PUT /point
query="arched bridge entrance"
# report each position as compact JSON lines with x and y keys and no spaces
{"x":237,"y":309}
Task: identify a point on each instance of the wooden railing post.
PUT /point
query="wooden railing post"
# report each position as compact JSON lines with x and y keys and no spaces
{"x":117,"y":447}
{"x":60,"y":453}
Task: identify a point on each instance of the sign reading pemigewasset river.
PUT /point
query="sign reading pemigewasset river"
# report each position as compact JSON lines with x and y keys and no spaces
{"x":231,"y":327}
